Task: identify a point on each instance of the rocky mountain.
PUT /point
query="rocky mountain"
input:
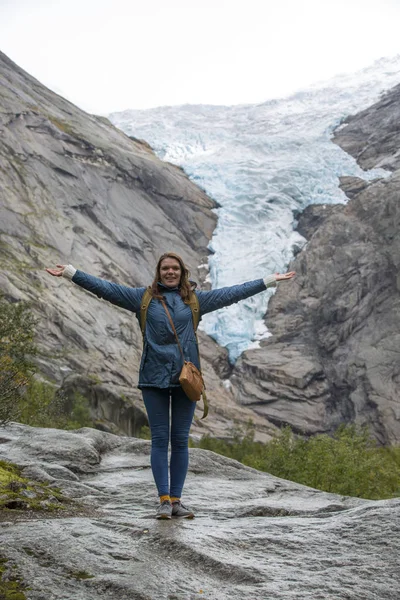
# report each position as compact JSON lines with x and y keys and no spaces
{"x":254,"y":535}
{"x":74,"y":189}
{"x":334,"y":354}
{"x":264,"y":164}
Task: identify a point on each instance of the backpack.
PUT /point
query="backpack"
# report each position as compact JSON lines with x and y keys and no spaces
{"x":194,"y":307}
{"x":147,"y":298}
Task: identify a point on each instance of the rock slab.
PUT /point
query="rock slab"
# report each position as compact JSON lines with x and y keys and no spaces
{"x":254,"y":535}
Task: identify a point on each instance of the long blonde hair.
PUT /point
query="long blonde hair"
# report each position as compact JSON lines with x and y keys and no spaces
{"x":185,"y":286}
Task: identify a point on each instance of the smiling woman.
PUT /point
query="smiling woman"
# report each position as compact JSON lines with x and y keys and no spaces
{"x":170,"y":272}
{"x":170,"y":411}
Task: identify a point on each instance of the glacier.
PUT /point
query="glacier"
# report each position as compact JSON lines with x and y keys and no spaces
{"x":263,"y":164}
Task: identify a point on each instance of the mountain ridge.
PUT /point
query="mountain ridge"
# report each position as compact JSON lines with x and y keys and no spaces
{"x":333,"y":356}
{"x":74,"y":189}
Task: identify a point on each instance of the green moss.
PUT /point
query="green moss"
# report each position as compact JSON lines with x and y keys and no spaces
{"x":145,"y":433}
{"x":13,"y":588}
{"x":95,"y":378}
{"x":36,"y":243}
{"x":18,"y":266}
{"x":79,"y":575}
{"x":12,"y":484}
{"x":62,"y":125}
{"x":17,"y":164}
{"x":7,"y":469}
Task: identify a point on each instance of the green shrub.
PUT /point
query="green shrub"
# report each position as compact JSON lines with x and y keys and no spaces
{"x":22,"y":397}
{"x":145,"y":433}
{"x":80,"y":413}
{"x":17,"y":348}
{"x":38,"y":404}
{"x":348,"y":463}
{"x":43,"y":405}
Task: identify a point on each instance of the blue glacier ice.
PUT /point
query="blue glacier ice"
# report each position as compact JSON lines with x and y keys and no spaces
{"x":263,"y":164}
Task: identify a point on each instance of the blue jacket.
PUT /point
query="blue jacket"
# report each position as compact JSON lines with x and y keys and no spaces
{"x":162,"y":362}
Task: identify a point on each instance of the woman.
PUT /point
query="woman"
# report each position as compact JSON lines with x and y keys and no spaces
{"x":162,"y":362}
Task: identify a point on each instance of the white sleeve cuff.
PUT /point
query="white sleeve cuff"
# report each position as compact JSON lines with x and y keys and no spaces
{"x":69,"y":272}
{"x":270,"y":281}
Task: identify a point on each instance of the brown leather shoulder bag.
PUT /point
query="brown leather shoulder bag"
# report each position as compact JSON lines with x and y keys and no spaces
{"x":190,"y":378}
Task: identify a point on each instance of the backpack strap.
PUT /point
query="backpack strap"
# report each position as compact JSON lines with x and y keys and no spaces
{"x":146,"y":299}
{"x":195,"y":308}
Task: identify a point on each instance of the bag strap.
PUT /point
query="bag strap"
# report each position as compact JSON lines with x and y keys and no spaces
{"x":173,"y":327}
{"x":196,"y":318}
{"x":144,"y":305}
{"x":203,"y":393}
{"x":147,"y":298}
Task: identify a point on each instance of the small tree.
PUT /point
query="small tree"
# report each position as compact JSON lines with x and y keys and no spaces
{"x":17,"y":348}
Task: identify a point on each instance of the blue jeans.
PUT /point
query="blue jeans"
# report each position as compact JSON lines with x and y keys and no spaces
{"x":157,"y":402}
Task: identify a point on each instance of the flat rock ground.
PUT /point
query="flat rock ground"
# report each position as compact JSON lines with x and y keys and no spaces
{"x":254,"y":535}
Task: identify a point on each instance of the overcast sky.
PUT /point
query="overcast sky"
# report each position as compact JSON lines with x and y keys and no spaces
{"x":107,"y":55}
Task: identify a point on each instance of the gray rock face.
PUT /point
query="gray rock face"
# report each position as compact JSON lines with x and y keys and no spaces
{"x":254,"y":535}
{"x":334,"y":355}
{"x":74,"y":189}
{"x":373,"y":135}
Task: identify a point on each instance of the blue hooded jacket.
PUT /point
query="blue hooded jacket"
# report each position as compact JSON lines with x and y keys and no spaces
{"x":162,"y":361}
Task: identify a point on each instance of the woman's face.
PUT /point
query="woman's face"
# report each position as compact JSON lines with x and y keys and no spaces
{"x":170,"y":272}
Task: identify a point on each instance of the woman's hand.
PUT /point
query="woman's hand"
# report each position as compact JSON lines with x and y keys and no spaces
{"x":284,"y":276}
{"x":57,"y":272}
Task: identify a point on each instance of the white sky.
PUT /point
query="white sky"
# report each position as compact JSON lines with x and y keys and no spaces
{"x":110,"y":55}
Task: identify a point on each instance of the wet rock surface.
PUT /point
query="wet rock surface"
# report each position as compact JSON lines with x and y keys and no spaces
{"x":334,"y":353}
{"x":254,"y":535}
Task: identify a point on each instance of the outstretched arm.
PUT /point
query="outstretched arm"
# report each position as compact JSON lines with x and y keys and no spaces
{"x":215,"y":299}
{"x":120,"y":295}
